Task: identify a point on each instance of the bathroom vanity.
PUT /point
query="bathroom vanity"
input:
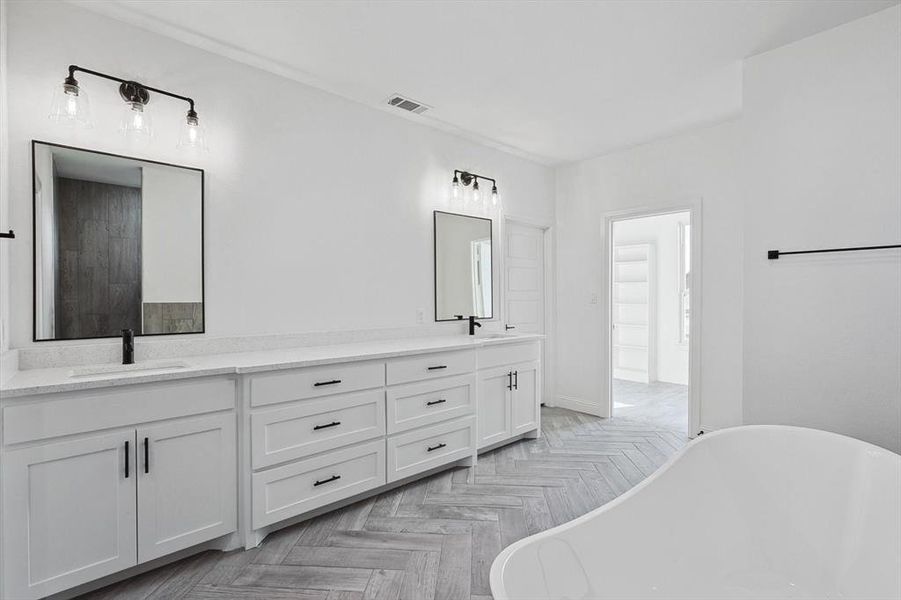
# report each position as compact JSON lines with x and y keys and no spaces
{"x":113,"y":472}
{"x":109,"y":470}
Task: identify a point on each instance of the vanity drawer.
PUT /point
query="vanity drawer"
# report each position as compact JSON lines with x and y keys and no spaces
{"x":272,"y":388}
{"x":314,"y":426}
{"x":300,"y":487}
{"x":426,"y":402}
{"x":422,"y":449}
{"x":508,"y":354}
{"x":430,"y":366}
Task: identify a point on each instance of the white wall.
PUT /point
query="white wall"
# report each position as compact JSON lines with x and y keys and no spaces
{"x":815,"y":162}
{"x":171,"y":252}
{"x":663,"y":232}
{"x":700,"y":166}
{"x":318,"y":209}
{"x":822,"y":142}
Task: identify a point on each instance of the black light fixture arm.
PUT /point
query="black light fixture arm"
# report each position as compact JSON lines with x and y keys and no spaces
{"x":139,"y":86}
{"x":466,"y":177}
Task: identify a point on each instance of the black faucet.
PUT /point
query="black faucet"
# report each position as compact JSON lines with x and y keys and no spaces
{"x":473,"y":324}
{"x":128,"y":346}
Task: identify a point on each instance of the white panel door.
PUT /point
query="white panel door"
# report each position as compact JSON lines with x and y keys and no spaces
{"x":68,"y":513}
{"x":187,"y":490}
{"x":524,"y":278}
{"x":524,"y":283}
{"x":525,"y":411}
{"x":494,"y":406}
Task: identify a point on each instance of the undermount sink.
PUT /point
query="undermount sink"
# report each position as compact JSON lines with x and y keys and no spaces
{"x":157,"y":365}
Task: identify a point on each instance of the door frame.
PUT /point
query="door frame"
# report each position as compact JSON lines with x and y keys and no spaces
{"x":693,"y":207}
{"x":548,"y":364}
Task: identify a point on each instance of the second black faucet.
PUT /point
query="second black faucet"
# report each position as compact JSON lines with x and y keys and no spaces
{"x":473,"y":324}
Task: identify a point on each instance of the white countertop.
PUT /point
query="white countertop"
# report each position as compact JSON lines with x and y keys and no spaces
{"x":44,"y":381}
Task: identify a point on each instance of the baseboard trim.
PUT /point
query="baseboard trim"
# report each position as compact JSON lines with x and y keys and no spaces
{"x":579,"y":405}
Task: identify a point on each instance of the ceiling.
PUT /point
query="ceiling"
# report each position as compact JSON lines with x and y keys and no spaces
{"x":552,"y":81}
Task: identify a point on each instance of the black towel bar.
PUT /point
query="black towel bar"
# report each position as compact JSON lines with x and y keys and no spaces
{"x":10,"y":235}
{"x":775,"y":254}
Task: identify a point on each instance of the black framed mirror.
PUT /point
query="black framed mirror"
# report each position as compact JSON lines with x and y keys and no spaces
{"x":463,"y":266}
{"x":118,"y":244}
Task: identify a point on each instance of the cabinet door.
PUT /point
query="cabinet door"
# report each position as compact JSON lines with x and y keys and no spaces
{"x":68,"y":513}
{"x":187,"y":491}
{"x":525,"y":411}
{"x":494,"y":406}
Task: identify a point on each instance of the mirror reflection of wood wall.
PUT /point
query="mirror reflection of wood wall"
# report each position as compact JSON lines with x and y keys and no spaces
{"x":118,"y":245}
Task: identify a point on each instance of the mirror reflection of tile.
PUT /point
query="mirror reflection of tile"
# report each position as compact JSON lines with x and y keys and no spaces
{"x":173,"y":317}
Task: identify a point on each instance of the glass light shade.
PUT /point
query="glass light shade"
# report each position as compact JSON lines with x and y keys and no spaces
{"x":476,"y":193}
{"x":136,"y":123}
{"x":71,"y":106}
{"x":191,"y":136}
{"x":494,"y":197}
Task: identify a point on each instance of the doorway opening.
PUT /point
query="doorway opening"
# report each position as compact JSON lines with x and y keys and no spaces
{"x":650,"y":305}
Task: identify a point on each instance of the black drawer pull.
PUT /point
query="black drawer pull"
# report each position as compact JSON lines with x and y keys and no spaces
{"x":332,"y":382}
{"x":437,"y":368}
{"x":332,"y":424}
{"x":515,"y":380}
{"x":127,"y":459}
{"x":146,"y":455}
{"x":510,"y":380}
{"x":432,"y":448}
{"x":434,"y":402}
{"x":329,"y":480}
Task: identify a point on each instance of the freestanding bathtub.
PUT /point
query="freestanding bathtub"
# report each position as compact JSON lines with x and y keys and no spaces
{"x":760,"y":512}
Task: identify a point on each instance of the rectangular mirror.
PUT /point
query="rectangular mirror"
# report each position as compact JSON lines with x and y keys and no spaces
{"x":118,"y":244}
{"x":463,"y":270}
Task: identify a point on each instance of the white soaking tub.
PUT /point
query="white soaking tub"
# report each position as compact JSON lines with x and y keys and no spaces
{"x":760,"y":512}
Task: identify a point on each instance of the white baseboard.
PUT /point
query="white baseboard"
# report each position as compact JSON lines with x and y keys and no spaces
{"x":579,"y":405}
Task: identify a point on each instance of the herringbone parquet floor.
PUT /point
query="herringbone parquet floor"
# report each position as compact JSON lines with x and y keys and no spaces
{"x":433,"y":539}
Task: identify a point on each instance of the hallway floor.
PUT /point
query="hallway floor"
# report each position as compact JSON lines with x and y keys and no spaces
{"x":433,"y":539}
{"x":659,"y":404}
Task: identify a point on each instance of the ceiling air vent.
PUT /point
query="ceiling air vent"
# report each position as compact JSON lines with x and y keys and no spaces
{"x":406,"y":104}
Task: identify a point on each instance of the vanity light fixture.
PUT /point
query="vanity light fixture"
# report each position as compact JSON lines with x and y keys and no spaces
{"x":71,"y":106}
{"x":467,"y":178}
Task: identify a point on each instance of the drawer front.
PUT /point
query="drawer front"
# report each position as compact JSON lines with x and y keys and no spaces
{"x":312,"y":382}
{"x":313,"y":426}
{"x":417,"y":404}
{"x":423,"y":449}
{"x":300,"y":487}
{"x":431,"y":366}
{"x":62,"y":414}
{"x":508,"y":354}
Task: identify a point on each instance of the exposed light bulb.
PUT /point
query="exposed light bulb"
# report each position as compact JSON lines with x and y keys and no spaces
{"x":136,"y":122}
{"x":476,"y":194}
{"x":494,"y":199}
{"x":455,"y":188}
{"x":70,"y":105}
{"x":192,"y":136}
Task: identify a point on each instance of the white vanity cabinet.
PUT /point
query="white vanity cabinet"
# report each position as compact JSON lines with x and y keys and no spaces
{"x":100,"y":480}
{"x":186,"y":478}
{"x":82,"y":503}
{"x":509,"y":384}
{"x":69,"y":513}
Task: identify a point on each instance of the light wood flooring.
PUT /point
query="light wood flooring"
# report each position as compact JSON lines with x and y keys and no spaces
{"x":434,"y":539}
